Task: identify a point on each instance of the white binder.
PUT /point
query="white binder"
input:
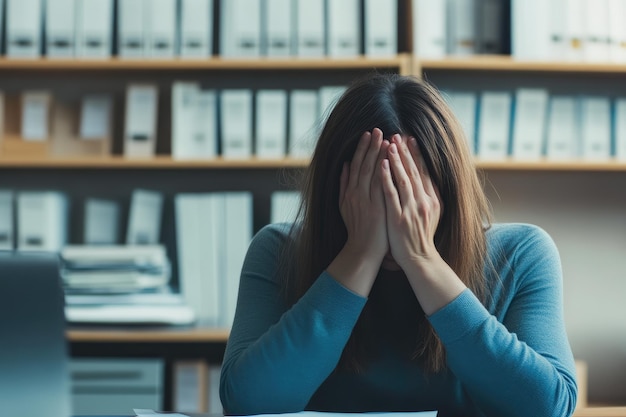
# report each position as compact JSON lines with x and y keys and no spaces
{"x":462,"y":31}
{"x":271,"y":123}
{"x":617,"y":30}
{"x":141,"y":119}
{"x":311,"y":31}
{"x":24,"y":20}
{"x":101,"y":222}
{"x":144,"y":219}
{"x":303,"y":118}
{"x":131,"y":30}
{"x":529,"y":122}
{"x":194,"y":122}
{"x":563,"y":134}
{"x":490,"y":22}
{"x":236,"y":122}
{"x":596,"y":128}
{"x":620,"y":129}
{"x":344,"y":28}
{"x":429,"y":28}
{"x":328,"y":97}
{"x":493,"y":126}
{"x":210,"y":251}
{"x":7,"y":238}
{"x":464,"y":106}
{"x":96,"y":116}
{"x":381,"y":28}
{"x":575,"y":16}
{"x":597,"y":33}
{"x":196,"y":28}
{"x":36,"y":115}
{"x":160,"y":38}
{"x":41,"y":221}
{"x":278,"y":32}
{"x":60,"y":28}
{"x":94,"y":28}
{"x":240,"y":28}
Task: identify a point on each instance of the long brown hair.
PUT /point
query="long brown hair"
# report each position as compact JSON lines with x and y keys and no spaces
{"x":409,"y":106}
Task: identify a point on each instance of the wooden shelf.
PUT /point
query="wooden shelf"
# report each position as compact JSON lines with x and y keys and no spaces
{"x":167,"y":162}
{"x":401,"y":62}
{"x":160,"y":162}
{"x":544,"y":165}
{"x":142,"y":335}
{"x":507,"y":63}
{"x":600,"y":412}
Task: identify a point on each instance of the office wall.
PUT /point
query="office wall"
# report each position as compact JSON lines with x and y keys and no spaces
{"x":585,"y":213}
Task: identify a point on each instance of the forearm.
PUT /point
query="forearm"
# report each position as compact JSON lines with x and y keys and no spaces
{"x":484,"y":354}
{"x":281,"y":370}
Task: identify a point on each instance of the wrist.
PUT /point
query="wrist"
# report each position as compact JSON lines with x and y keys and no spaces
{"x":355,"y":270}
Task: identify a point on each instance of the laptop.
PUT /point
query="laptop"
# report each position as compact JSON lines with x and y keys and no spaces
{"x":34,"y":378}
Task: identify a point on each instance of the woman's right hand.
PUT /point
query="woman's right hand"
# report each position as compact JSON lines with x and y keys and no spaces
{"x":362,"y":207}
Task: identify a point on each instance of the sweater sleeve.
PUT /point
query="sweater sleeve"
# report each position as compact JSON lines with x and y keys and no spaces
{"x":527,"y":356}
{"x":276,"y":358}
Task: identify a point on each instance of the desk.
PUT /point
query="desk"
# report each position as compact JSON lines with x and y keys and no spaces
{"x":601,"y":412}
{"x":168,"y":343}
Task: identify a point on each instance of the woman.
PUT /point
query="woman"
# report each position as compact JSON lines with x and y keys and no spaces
{"x":393,"y":292}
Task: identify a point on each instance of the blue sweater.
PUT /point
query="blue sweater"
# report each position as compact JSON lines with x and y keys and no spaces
{"x":509,"y":357}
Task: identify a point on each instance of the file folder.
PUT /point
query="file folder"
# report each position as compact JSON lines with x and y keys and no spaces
{"x":303,"y":117}
{"x":141,"y":118}
{"x":144,"y":219}
{"x":7,"y":239}
{"x":344,"y":28}
{"x":101,"y":222}
{"x":236,"y":123}
{"x":596,"y":128}
{"x":41,"y":221}
{"x":311,"y":31}
{"x":196,"y":28}
{"x":529,"y":122}
{"x":60,"y":28}
{"x":494,"y":124}
{"x":429,"y":28}
{"x":94,"y":28}
{"x":563,"y":136}
{"x":35,"y":116}
{"x":161,"y":28}
{"x":278,"y":32}
{"x":271,"y":123}
{"x":381,"y":28}
{"x":240,"y":28}
{"x":131,"y":31}
{"x":24,"y":26}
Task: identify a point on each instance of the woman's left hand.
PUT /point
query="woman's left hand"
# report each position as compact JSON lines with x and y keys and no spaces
{"x":412,"y":205}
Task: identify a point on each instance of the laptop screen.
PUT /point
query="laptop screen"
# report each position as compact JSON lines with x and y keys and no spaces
{"x":34,"y":379}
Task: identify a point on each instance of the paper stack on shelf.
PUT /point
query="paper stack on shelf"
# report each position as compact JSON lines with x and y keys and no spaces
{"x":121,"y":285}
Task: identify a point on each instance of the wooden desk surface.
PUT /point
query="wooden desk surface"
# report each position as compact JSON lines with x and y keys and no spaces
{"x":147,"y":335}
{"x":601,"y":412}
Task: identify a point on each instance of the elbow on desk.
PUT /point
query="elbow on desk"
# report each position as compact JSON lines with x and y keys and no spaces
{"x":245,"y":396}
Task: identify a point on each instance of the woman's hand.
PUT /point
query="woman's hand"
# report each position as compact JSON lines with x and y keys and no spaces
{"x":413,"y":210}
{"x":362,"y":207}
{"x":413,"y":207}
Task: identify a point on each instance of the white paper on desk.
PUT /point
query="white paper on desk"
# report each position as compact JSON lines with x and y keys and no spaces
{"x":152,"y":413}
{"x":141,"y":413}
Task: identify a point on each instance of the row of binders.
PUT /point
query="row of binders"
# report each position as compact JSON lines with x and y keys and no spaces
{"x":569,"y":30}
{"x":185,"y":28}
{"x":530,"y":124}
{"x":38,"y":220}
{"x":233,"y":123}
{"x":243,"y":123}
{"x":213,"y":233}
{"x":459,"y":27}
